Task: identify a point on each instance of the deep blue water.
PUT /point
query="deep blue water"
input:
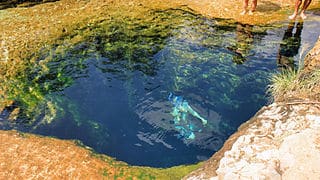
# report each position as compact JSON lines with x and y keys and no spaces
{"x":121,"y":108}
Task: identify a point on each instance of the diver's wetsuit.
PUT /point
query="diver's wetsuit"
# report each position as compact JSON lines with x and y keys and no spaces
{"x":179,"y":112}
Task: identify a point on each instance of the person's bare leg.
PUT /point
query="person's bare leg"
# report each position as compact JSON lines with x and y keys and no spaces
{"x":253,"y":7}
{"x":304,"y":7}
{"x":245,"y":6}
{"x":296,"y":9}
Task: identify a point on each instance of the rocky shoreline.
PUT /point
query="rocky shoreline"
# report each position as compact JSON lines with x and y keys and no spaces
{"x":281,"y":142}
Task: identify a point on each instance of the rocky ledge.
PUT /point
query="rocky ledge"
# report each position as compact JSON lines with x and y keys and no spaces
{"x":282,"y":141}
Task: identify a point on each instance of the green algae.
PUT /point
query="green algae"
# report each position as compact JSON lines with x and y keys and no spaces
{"x":129,"y":43}
{"x":125,"y":171}
{"x":55,"y":67}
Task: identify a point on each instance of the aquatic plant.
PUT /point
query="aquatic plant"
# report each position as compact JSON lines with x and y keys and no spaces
{"x":124,"y":45}
{"x":35,"y":92}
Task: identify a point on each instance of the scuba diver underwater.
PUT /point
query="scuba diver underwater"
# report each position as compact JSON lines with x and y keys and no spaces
{"x":180,"y":111}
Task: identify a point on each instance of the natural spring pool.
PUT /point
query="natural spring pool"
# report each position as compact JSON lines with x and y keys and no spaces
{"x":137,"y":89}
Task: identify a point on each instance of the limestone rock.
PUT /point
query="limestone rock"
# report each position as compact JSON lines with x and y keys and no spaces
{"x":281,"y":142}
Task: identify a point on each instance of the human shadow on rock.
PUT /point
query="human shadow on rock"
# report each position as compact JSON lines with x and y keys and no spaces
{"x":290,"y":45}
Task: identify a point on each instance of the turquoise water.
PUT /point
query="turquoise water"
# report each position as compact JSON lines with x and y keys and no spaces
{"x":112,"y":90}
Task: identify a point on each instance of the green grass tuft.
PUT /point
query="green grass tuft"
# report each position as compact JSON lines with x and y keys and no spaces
{"x":289,"y":83}
{"x":283,"y":82}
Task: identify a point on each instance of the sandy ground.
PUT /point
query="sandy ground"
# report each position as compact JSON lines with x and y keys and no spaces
{"x":33,"y":157}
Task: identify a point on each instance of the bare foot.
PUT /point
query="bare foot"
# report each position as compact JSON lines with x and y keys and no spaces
{"x":243,"y":12}
{"x":303,"y":16}
{"x":293,"y":16}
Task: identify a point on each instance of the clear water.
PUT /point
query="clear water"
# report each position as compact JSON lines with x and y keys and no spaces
{"x":113,"y":95}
